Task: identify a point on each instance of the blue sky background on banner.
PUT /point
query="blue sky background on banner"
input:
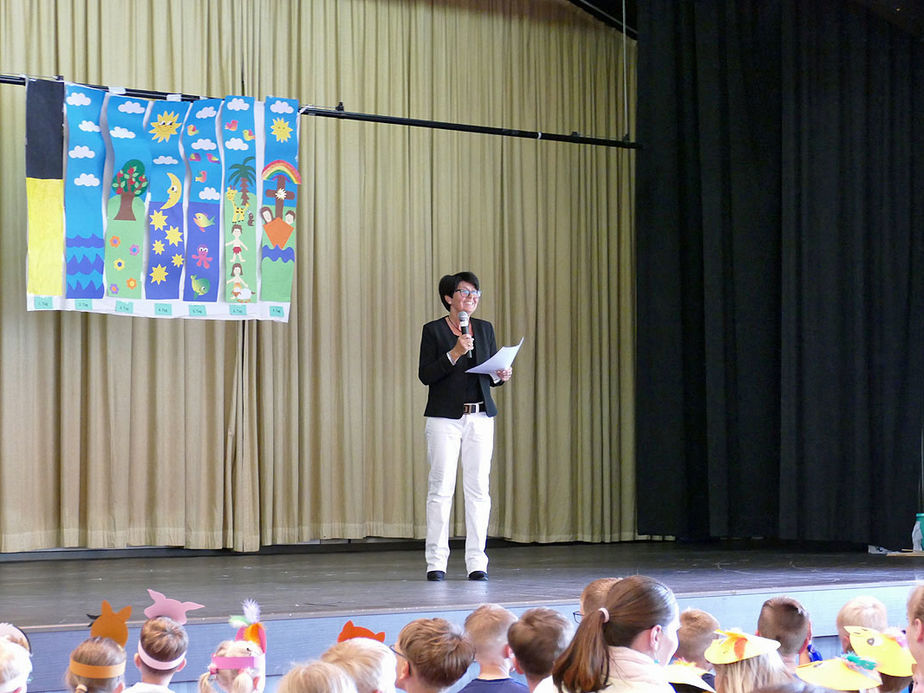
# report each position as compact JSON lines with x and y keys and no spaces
{"x":200,"y":142}
{"x":165,"y":210}
{"x":83,"y":194}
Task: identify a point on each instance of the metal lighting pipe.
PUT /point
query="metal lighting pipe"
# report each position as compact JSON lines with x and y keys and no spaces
{"x":338,"y":112}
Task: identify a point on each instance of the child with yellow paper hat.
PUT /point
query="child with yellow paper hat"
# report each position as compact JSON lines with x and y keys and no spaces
{"x":744,"y":662}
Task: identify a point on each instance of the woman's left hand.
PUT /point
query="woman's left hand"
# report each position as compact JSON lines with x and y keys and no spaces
{"x":504,"y":374}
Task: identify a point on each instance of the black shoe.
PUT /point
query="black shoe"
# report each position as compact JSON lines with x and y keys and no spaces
{"x":436,"y":575}
{"x":478,"y":576}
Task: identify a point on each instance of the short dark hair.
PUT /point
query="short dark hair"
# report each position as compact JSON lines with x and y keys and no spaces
{"x":450,"y":282}
{"x":537,"y":638}
{"x":437,"y":651}
{"x":784,"y":619}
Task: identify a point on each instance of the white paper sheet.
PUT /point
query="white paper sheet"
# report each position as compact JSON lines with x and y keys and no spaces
{"x":501,"y":360}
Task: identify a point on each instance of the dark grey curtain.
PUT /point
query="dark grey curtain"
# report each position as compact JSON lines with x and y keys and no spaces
{"x":780,"y":271}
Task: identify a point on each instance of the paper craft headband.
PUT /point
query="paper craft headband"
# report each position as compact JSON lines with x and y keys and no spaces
{"x":350,"y":631}
{"x":249,"y":626}
{"x":171,"y":608}
{"x":174,"y":610}
{"x":682,"y":671}
{"x":737,"y":645}
{"x":888,"y":649}
{"x":96,"y":671}
{"x":844,"y":673}
{"x":233,"y":663}
{"x":109,"y":624}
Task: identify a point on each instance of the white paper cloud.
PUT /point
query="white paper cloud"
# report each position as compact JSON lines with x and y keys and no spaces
{"x":131,"y":107}
{"x":121,"y":133}
{"x":81,"y":152}
{"x":237,"y":105}
{"x":281,"y":107}
{"x":209,"y":194}
{"x":203,"y":143}
{"x":88,"y":126}
{"x":236,"y":143}
{"x":164,"y":159}
{"x":207,"y":112}
{"x":78,"y":98}
{"x":87,"y":180}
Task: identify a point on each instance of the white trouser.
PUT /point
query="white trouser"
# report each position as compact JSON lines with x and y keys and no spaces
{"x":473,"y":436}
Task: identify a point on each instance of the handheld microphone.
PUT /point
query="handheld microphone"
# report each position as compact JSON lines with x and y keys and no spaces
{"x":463,"y":326}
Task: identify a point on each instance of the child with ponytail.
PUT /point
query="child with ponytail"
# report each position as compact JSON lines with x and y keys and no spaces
{"x":622,"y":647}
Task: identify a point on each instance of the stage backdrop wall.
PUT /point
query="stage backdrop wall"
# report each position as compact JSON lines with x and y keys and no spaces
{"x":781,"y":271}
{"x":117,"y":431}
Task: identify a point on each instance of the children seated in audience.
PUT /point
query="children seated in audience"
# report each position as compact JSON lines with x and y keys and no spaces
{"x":696,"y":633}
{"x":594,"y":595}
{"x":624,"y":645}
{"x":486,"y":628}
{"x":238,"y":666}
{"x":785,"y":620}
{"x":15,"y":666}
{"x":97,"y":665}
{"x":432,"y":655}
{"x":537,"y":638}
{"x":915,"y":630}
{"x":865,"y":611}
{"x":14,"y":634}
{"x":744,"y":662}
{"x":369,"y":663}
{"x":316,"y":677}
{"x":161,"y":653}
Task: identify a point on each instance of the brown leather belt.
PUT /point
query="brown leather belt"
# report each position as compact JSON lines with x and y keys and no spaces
{"x":473,"y":408}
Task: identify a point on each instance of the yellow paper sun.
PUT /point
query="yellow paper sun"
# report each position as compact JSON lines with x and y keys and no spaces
{"x":281,"y":130}
{"x":165,"y":127}
{"x":158,"y":219}
{"x":174,"y":236}
{"x":177,"y":260}
{"x":158,"y":274}
{"x":158,"y":247}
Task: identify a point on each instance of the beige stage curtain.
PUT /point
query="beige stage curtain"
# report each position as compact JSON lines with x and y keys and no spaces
{"x":119,"y":431}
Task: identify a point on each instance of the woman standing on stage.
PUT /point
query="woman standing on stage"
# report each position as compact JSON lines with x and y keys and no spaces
{"x":623,"y":647}
{"x":460,"y":419}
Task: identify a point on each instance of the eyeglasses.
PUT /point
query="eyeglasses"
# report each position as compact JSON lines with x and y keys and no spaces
{"x":400,"y":654}
{"x":577,"y":616}
{"x":474,"y":293}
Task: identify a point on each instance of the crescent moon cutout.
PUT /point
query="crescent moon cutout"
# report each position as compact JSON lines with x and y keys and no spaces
{"x":174,"y":192}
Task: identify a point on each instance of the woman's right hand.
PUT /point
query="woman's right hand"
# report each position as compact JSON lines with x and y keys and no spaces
{"x":464,"y":344}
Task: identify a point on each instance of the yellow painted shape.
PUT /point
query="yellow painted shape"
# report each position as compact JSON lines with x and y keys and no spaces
{"x":46,"y":236}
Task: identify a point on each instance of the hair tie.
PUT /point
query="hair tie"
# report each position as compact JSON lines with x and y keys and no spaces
{"x":606,"y":614}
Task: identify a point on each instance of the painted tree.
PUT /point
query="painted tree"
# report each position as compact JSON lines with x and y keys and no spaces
{"x":245,"y":175}
{"x":129,"y":183}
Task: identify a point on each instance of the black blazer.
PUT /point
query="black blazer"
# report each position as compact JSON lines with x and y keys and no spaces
{"x":448,"y":382}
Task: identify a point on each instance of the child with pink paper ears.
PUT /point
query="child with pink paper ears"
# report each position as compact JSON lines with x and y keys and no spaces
{"x":97,"y":665}
{"x":162,"y":644}
{"x":239,"y":665}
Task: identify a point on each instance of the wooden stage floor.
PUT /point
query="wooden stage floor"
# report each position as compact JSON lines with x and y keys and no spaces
{"x":295,"y":583}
